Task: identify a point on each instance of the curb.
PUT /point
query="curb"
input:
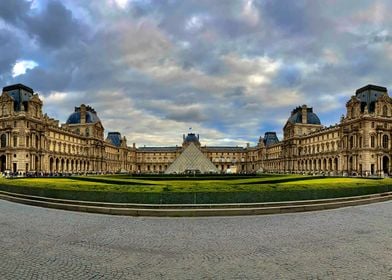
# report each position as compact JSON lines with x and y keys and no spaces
{"x":195,"y":210}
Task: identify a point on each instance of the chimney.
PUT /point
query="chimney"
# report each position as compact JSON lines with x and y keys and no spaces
{"x":304,"y":114}
{"x":134,"y":145}
{"x":82,"y":114}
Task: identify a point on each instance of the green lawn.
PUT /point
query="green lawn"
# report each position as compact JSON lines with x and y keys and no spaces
{"x":256,"y":184}
{"x":158,"y":190}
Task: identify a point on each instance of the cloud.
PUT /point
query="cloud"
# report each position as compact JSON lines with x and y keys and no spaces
{"x":11,"y":50}
{"x":13,"y":10}
{"x":230,"y":69}
{"x":250,"y":13}
{"x":53,"y":27}
{"x":21,"y":66}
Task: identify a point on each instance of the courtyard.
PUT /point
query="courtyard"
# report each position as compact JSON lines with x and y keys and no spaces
{"x":347,"y":243}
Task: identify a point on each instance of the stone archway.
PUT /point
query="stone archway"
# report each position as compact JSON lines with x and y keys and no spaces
{"x":3,"y":163}
{"x":51,"y":164}
{"x":350,"y":165}
{"x":385,"y":165}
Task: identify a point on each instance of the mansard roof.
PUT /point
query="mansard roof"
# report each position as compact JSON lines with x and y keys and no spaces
{"x":114,"y":138}
{"x":270,"y":138}
{"x":368,"y":95}
{"x":224,"y":149}
{"x":158,"y":149}
{"x":296,"y":116}
{"x":371,"y":87}
{"x":18,"y":86}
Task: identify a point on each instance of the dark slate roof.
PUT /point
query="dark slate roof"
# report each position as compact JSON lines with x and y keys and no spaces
{"x":270,"y":138}
{"x":91,"y":116}
{"x":368,"y":95}
{"x":158,"y":149}
{"x":74,"y":118}
{"x":114,"y":138}
{"x":224,"y":148}
{"x":20,"y":94}
{"x":371,"y":87}
{"x":18,"y":86}
{"x":191,"y":138}
{"x":296,"y":116}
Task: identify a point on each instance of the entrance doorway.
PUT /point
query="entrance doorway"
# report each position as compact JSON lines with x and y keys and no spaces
{"x":2,"y":163}
{"x":385,"y":165}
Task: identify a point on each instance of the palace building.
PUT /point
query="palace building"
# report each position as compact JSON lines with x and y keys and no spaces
{"x":360,"y":144}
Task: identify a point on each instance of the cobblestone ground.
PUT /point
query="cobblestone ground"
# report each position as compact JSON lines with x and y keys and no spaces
{"x":348,"y":243}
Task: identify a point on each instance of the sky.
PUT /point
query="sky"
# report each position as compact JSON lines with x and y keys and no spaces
{"x":230,"y":70}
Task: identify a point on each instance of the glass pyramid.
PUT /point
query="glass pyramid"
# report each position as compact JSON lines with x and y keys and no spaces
{"x":191,"y":160}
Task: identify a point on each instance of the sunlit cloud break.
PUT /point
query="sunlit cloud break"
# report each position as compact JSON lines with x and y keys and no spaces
{"x":22,"y":66}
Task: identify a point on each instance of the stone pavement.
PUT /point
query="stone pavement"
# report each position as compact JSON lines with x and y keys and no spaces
{"x":347,"y":243}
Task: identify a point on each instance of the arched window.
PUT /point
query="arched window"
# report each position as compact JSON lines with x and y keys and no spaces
{"x":385,"y":111}
{"x":372,"y":141}
{"x":3,"y":140}
{"x":385,"y":140}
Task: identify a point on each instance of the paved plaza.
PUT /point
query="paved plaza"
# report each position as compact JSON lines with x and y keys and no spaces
{"x":348,"y":243}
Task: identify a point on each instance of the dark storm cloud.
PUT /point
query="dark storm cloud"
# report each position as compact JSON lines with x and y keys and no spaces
{"x":55,"y":26}
{"x":10,"y":50}
{"x":13,"y":10}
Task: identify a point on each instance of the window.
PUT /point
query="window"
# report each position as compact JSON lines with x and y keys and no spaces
{"x":385,"y":111}
{"x":385,"y":140}
{"x":3,"y":140}
{"x":15,"y":141}
{"x":87,"y":131}
{"x":372,"y":141}
{"x":27,"y":141}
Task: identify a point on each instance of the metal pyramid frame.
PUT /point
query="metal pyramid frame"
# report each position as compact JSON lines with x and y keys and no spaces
{"x":191,"y":159}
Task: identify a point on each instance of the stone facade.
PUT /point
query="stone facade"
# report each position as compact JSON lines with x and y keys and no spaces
{"x":360,"y":144}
